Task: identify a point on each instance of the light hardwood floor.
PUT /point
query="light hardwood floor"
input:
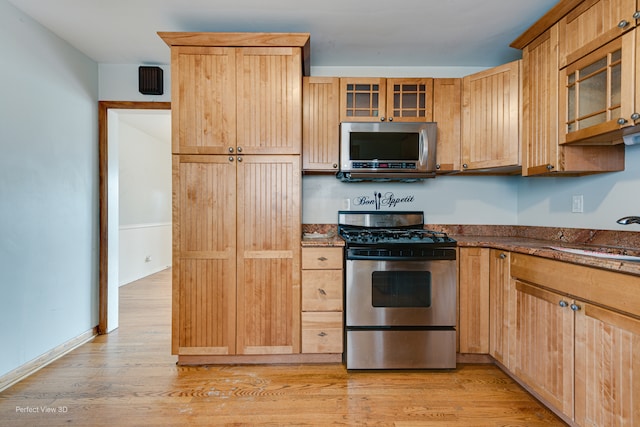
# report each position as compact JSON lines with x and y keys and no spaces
{"x":129,"y":378}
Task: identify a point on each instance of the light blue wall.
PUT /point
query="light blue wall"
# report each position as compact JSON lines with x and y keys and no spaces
{"x":48,"y":191}
{"x":607,"y":197}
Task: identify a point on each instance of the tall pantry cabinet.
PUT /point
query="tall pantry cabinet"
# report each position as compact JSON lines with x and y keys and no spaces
{"x":237,"y":131}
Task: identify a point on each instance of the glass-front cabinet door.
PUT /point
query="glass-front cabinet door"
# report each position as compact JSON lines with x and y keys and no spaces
{"x":362,"y":99}
{"x":599,"y":94}
{"x":410,"y":100}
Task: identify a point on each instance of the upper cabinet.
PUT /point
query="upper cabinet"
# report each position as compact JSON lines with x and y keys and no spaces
{"x":379,"y":99}
{"x":229,"y":96}
{"x":447,"y":105}
{"x":592,"y":24}
{"x":491,"y":119}
{"x":541,"y":152}
{"x":320,"y":124}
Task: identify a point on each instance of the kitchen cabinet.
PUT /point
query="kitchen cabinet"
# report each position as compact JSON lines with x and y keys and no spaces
{"x":236,"y":131}
{"x":591,"y":24}
{"x":544,"y":345}
{"x":380,"y":99}
{"x":473,"y":300}
{"x":491,"y":120}
{"x":578,"y":339}
{"x":322,"y":300}
{"x":236,"y":287}
{"x":447,"y":106}
{"x":320,"y":124}
{"x":228,"y":99}
{"x":607,"y":363}
{"x":501,"y":307}
{"x":598,"y":103}
{"x":541,"y":152}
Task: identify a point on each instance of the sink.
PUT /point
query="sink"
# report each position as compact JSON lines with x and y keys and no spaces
{"x":598,"y":254}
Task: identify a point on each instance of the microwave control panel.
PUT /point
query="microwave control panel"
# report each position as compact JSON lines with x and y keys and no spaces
{"x":383,"y":165}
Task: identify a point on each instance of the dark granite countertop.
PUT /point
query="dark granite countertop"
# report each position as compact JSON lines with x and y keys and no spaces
{"x":529,"y":240}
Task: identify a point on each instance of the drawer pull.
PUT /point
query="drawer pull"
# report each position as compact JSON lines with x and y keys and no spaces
{"x":322,"y":291}
{"x":322,"y":258}
{"x":322,"y":334}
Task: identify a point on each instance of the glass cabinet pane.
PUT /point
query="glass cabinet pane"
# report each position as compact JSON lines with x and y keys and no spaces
{"x":594,"y":92}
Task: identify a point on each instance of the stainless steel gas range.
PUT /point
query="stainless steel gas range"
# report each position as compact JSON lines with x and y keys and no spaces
{"x":400,"y":292}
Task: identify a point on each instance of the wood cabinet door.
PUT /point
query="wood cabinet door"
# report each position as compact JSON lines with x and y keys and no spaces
{"x":410,"y":100}
{"x":540,"y":105}
{"x":268,"y":255}
{"x":473,"y":323}
{"x":491,"y":118}
{"x":607,"y":358}
{"x":362,"y":99}
{"x":598,"y":96}
{"x":203,"y":100}
{"x":321,"y":124}
{"x":204,"y":255}
{"x":593,"y":23}
{"x":269,"y":100}
{"x":501,"y":311}
{"x":544,"y":345}
{"x":447,"y":106}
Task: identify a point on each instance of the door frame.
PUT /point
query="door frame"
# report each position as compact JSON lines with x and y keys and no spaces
{"x":103,"y":164}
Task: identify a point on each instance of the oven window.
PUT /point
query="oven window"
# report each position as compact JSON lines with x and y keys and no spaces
{"x":401,"y":289}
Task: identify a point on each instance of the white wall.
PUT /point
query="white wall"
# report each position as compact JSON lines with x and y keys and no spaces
{"x":48,"y":191}
{"x":144,"y":198}
{"x":119,"y":82}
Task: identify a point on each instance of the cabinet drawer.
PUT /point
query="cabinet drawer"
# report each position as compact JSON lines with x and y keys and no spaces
{"x":321,"y":258}
{"x":322,"y":332}
{"x":322,"y":290}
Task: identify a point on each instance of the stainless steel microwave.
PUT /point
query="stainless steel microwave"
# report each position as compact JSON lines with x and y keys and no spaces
{"x":387,"y":150}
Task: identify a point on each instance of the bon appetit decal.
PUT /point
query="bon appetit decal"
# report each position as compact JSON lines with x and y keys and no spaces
{"x":378,"y":200}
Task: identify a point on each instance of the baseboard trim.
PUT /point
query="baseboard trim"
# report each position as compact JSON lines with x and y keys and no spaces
{"x":40,"y":362}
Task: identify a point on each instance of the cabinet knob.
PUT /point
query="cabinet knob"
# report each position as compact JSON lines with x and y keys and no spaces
{"x":390,"y":119}
{"x":322,"y":334}
{"x":437,"y":165}
{"x":239,"y":149}
{"x":635,"y":116}
{"x":382,"y":119}
{"x":563,"y":303}
{"x":465,"y":166}
{"x":549,"y":167}
{"x":335,"y":166}
{"x":636,"y":15}
{"x":623,"y":23}
{"x":231,"y":158}
{"x":503,"y":255}
{"x":322,"y":258}
{"x":231,"y":149}
{"x":575,"y":307}
{"x":239,"y":159}
{"x":622,"y":121}
{"x":322,"y":291}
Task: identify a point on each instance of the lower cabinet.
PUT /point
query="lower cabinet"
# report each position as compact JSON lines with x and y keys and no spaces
{"x":581,"y":358}
{"x":544,"y":345}
{"x":322,"y":300}
{"x":607,"y":366}
{"x":501,"y":307}
{"x":473,"y":300}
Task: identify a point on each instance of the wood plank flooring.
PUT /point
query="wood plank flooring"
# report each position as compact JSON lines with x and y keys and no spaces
{"x":129,"y":378}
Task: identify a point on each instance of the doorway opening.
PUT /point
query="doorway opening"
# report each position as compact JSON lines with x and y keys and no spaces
{"x":109,"y":215}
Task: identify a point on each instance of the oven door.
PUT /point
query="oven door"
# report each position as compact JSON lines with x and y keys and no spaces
{"x":391,"y":293}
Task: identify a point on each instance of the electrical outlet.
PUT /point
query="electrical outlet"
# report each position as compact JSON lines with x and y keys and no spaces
{"x":577,"y":204}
